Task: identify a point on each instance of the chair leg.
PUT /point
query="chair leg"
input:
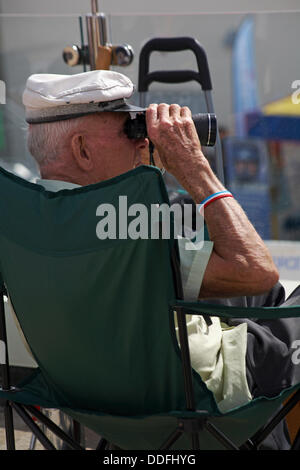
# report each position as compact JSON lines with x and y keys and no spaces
{"x":102,"y":444}
{"x":76,"y":431}
{"x":227,"y":443}
{"x":9,"y":427}
{"x":296,"y":443}
{"x":259,"y":437}
{"x":54,"y":428}
{"x":33,"y":427}
{"x":173,"y":437}
{"x":195,"y":441}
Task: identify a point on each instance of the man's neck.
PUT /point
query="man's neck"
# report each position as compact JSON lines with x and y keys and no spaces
{"x":64,"y":174}
{"x":62,"y":169}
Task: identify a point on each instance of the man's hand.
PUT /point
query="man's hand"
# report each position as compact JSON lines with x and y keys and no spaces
{"x":240,"y":263}
{"x":172,"y":131}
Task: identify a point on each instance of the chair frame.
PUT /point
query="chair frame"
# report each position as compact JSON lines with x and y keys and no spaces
{"x":191,"y":426}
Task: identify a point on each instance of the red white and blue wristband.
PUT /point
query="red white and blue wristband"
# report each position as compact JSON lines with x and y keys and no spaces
{"x":214,"y":197}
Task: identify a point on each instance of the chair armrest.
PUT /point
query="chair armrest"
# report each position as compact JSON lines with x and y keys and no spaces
{"x":224,"y":311}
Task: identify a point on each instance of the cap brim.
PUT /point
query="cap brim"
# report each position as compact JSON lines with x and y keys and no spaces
{"x":129,"y":108}
{"x":60,"y":113}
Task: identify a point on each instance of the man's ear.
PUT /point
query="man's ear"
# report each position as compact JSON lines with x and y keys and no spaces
{"x":142,"y":144}
{"x":81,"y":153}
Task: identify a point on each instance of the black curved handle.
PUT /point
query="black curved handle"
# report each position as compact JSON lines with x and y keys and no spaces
{"x":173,"y":76}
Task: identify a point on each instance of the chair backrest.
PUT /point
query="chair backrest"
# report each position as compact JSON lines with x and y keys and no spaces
{"x":95,"y":313}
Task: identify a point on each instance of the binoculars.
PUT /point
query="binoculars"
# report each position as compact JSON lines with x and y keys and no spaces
{"x":206,"y":126}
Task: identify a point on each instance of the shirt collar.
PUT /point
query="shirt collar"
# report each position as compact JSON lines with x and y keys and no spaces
{"x":56,"y":185}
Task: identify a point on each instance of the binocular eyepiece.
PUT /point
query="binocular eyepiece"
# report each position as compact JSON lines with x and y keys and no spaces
{"x":206,"y":126}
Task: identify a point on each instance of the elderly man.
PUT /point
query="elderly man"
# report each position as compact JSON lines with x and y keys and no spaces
{"x":76,"y":134}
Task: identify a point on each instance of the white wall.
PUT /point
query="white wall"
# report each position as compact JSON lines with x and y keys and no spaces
{"x":153,"y":6}
{"x":34,"y":44}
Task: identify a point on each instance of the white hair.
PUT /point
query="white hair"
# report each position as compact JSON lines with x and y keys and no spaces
{"x":46,"y":140}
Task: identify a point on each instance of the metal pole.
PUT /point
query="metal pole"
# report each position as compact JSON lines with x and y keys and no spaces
{"x":102,"y":29}
{"x":97,"y":38}
{"x":90,"y":35}
{"x":94,"y":7}
{"x":93,"y":33}
{"x":142,"y":99}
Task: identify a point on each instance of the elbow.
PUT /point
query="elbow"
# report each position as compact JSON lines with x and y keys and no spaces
{"x":239,"y":277}
{"x":261,"y":277}
{"x":269,"y":279}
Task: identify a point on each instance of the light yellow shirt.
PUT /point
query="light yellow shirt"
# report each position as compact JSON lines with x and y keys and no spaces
{"x":217,"y":351}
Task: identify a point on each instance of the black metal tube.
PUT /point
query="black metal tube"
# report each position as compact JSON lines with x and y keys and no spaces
{"x":76,"y":431}
{"x":227,"y":443}
{"x":102,"y":444}
{"x":53,"y":427}
{"x":195,"y":441}
{"x":183,"y":337}
{"x":8,"y":414}
{"x":3,"y":338}
{"x":261,"y":435}
{"x":9,"y":427}
{"x":248,"y":445}
{"x":33,"y":427}
{"x":186,"y":361}
{"x":173,"y":45}
{"x":296,"y":443}
{"x":173,"y":437}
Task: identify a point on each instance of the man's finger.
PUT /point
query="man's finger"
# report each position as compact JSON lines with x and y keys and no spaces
{"x":175,"y":110}
{"x":151,"y":114}
{"x":163,"y":113}
{"x":185,"y":112}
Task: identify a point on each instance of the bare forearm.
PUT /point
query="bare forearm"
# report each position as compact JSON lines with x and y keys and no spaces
{"x":240,"y":263}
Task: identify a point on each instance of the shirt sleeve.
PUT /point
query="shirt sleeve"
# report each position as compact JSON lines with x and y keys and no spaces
{"x":193,"y":264}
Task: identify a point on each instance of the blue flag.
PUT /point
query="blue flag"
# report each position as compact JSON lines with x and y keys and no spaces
{"x":244,"y":75}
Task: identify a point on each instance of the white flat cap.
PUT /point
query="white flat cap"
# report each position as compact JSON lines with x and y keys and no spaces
{"x":51,"y":97}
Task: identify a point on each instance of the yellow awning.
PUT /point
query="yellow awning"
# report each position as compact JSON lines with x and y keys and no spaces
{"x":282,"y":107}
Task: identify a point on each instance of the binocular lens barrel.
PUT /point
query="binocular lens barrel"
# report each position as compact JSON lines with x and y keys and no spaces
{"x":206,"y":126}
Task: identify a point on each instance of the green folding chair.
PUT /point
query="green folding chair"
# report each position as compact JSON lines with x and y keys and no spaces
{"x":98,"y":316}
